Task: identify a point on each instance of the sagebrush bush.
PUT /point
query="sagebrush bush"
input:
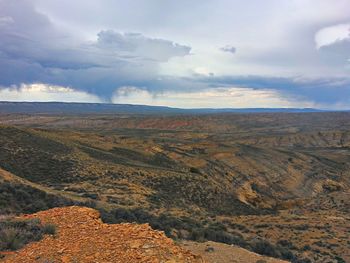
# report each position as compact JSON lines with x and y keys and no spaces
{"x":49,"y":229}
{"x":15,"y":233}
{"x":12,"y":238}
{"x":264,"y":247}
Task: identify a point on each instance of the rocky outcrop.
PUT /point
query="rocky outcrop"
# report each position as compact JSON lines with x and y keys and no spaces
{"x":82,"y":237}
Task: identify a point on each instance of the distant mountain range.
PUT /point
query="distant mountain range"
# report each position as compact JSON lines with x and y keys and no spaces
{"x":104,"y":108}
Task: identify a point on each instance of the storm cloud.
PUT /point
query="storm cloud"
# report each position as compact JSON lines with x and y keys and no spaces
{"x":33,"y":49}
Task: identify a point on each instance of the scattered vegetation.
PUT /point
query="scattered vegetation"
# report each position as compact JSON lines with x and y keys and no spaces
{"x":33,"y":156}
{"x":19,"y":198}
{"x":134,"y":168}
{"x":15,"y":233}
{"x":264,"y":247}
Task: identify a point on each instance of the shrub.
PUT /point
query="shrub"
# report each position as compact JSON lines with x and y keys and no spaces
{"x":262,"y":226}
{"x":339,"y":259}
{"x":302,"y":260}
{"x":301,"y":227}
{"x":49,"y":229}
{"x":209,"y":249}
{"x":195,"y":170}
{"x":18,"y":198}
{"x":306,"y":247}
{"x":197,"y":235}
{"x":12,"y":238}
{"x":285,"y":243}
{"x":264,"y":247}
{"x":15,"y":233}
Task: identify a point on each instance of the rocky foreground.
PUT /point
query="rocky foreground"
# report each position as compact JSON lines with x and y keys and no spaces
{"x":82,"y":237}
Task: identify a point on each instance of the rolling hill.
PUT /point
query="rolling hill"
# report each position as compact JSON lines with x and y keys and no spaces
{"x":255,"y":180}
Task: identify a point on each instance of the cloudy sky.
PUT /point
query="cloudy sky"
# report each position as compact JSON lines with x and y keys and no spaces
{"x":185,"y":53}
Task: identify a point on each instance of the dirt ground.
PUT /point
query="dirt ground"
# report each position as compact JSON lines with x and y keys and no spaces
{"x":213,"y":252}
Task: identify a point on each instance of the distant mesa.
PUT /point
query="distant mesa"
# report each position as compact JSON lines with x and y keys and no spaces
{"x":105,"y":108}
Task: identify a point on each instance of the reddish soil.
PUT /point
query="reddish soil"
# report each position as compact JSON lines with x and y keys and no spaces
{"x":82,"y":237}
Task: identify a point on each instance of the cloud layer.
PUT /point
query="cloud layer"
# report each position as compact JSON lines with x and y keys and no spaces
{"x":42,"y":93}
{"x":230,"y":97}
{"x":33,"y":50}
{"x":167,"y":50}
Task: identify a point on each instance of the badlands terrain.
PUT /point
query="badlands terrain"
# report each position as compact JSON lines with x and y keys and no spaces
{"x":276,"y":184}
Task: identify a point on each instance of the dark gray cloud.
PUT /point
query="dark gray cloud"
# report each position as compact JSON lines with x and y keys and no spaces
{"x":32,"y":50}
{"x":322,"y":91}
{"x":229,"y":49}
{"x":337,"y":53}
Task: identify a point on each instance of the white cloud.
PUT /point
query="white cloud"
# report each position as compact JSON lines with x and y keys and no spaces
{"x":331,"y":34}
{"x":209,"y":98}
{"x":202,"y":71}
{"x":274,"y":37}
{"x":44,"y":92}
{"x":135,"y":44}
{"x":5,"y":20}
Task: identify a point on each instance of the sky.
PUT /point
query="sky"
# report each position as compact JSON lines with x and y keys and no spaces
{"x":184,"y":53}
